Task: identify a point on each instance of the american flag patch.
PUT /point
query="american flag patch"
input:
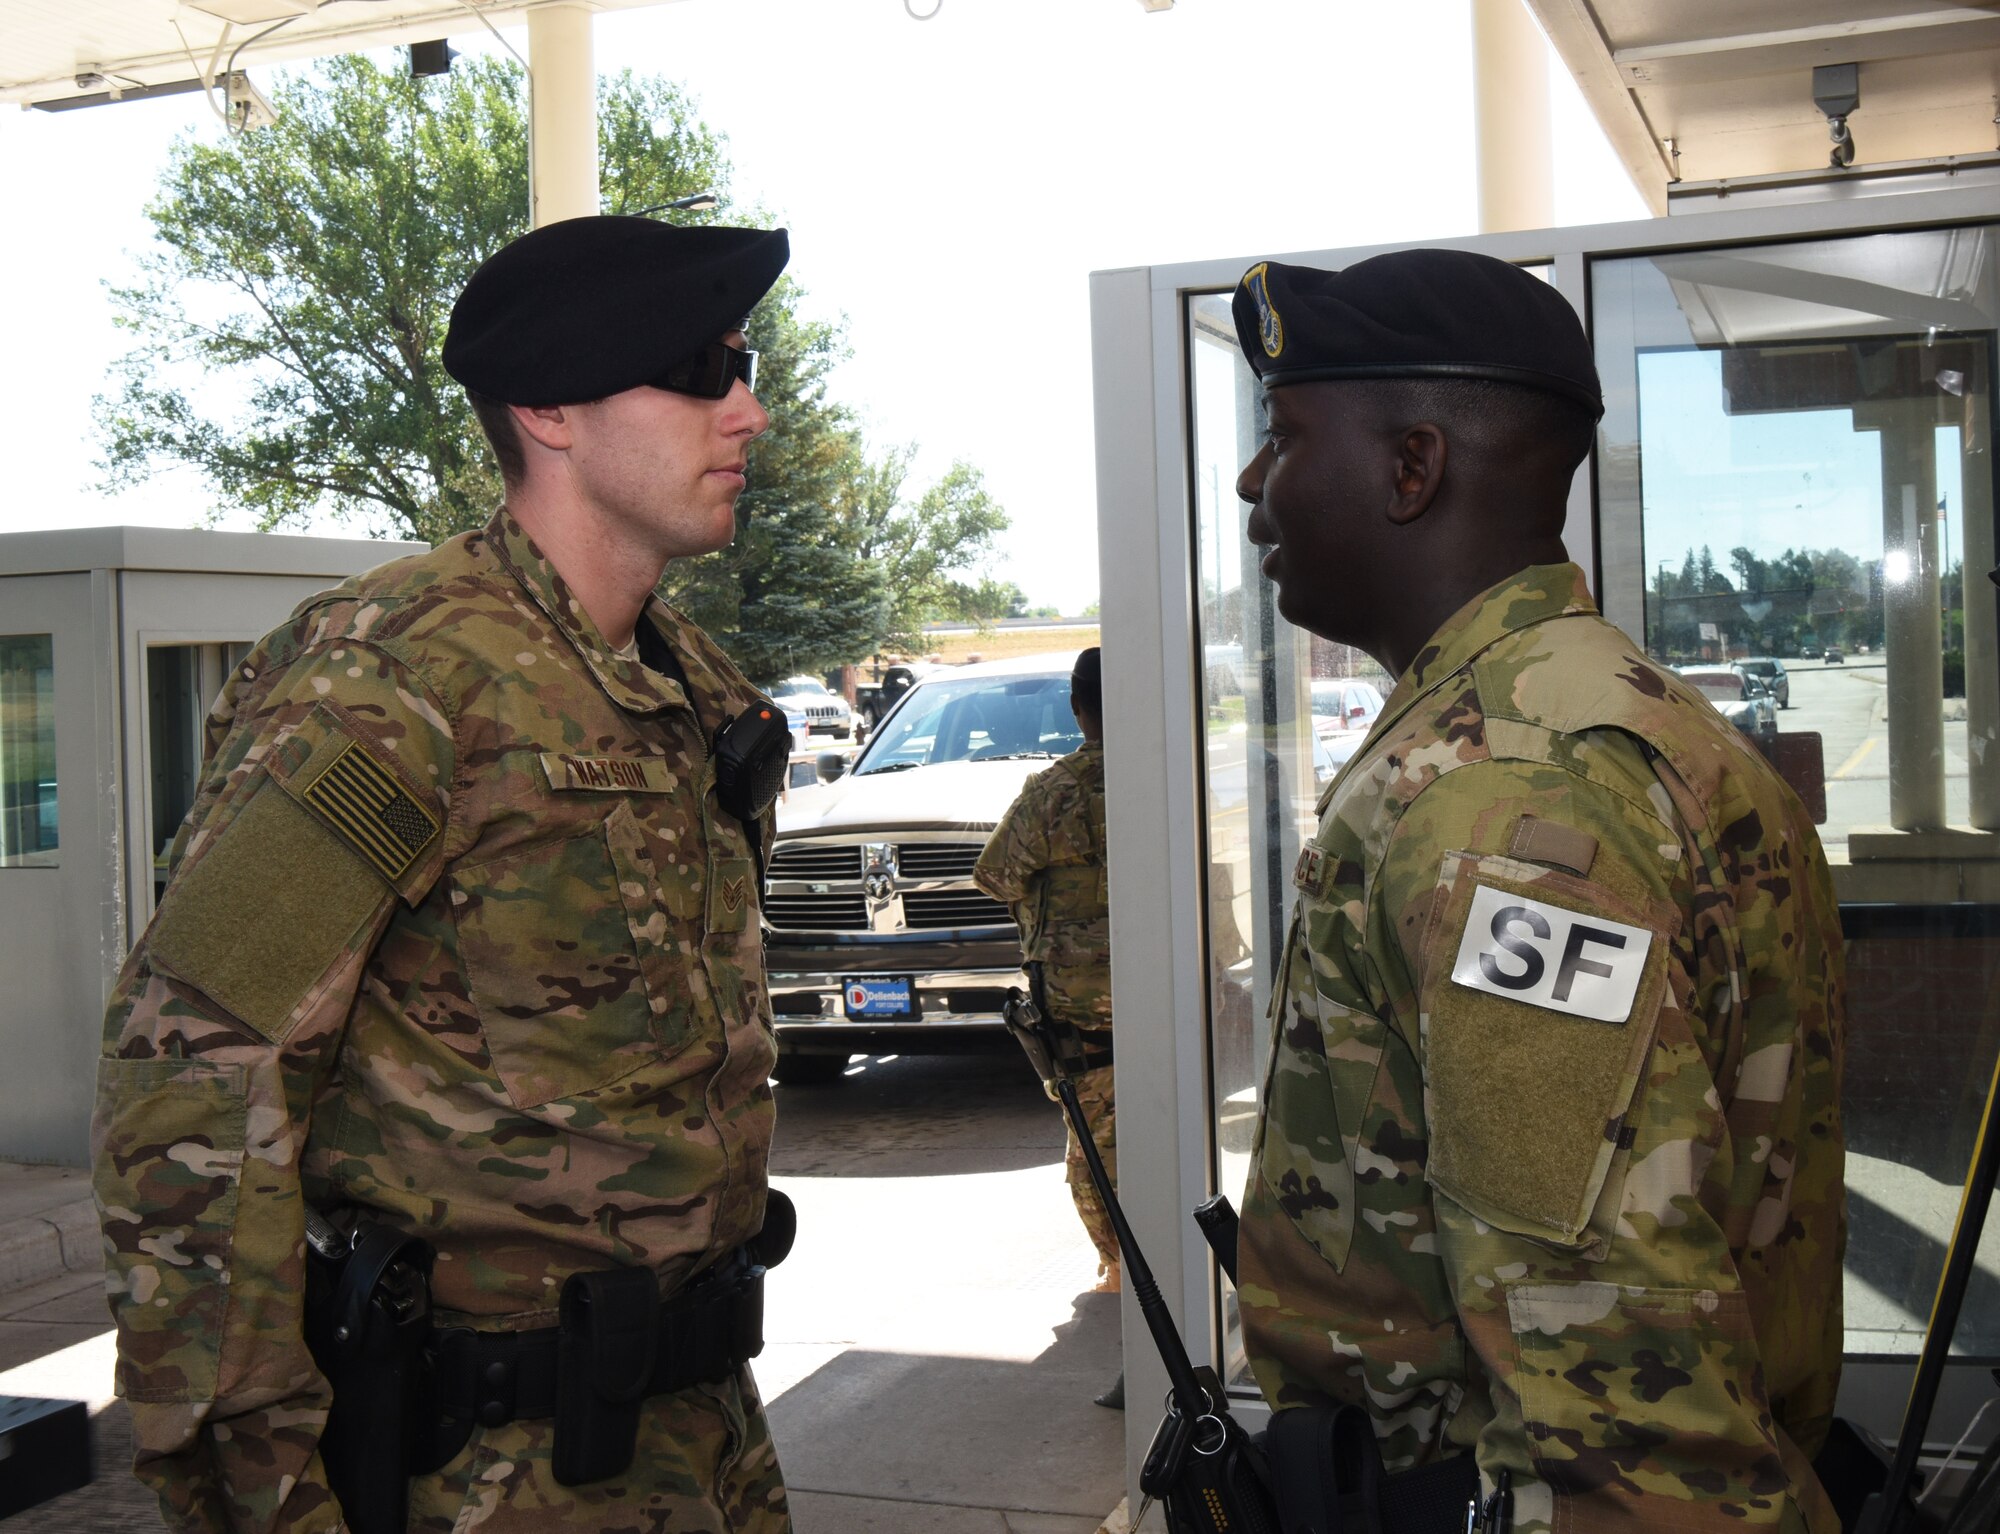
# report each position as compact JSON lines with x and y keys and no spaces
{"x":367,"y":808}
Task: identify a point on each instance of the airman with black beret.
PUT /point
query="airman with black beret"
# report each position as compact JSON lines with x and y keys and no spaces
{"x":461,"y":941}
{"x":1548,"y":1170}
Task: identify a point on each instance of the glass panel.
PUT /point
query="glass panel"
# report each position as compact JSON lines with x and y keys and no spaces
{"x":1803,"y":431}
{"x":1922,"y":1037}
{"x":174,"y":715}
{"x":1284,"y":710}
{"x":1795,"y":477}
{"x":27,"y":751}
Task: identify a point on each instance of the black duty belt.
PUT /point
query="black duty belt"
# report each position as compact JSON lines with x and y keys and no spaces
{"x":700,"y":1335}
{"x":1093,"y":1045}
{"x":617,"y":1344}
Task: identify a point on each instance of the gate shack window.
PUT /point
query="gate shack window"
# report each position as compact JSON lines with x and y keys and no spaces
{"x":27,"y":751}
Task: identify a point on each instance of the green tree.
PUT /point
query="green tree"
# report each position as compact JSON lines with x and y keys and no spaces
{"x":929,"y":553}
{"x":288,"y":322}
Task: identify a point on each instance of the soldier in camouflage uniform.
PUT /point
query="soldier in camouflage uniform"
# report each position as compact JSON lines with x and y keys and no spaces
{"x":1549,"y":1165}
{"x":1046,"y":860}
{"x":458,"y":937}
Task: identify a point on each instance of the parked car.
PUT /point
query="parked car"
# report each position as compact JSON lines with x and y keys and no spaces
{"x":1834,"y":657}
{"x":876,"y":939}
{"x":1769,"y":670}
{"x":1742,"y":699}
{"x":1344,"y":703}
{"x":878,"y":699}
{"x":826,"y":712}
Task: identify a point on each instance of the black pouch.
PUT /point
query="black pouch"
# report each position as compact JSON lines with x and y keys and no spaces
{"x":1326,"y":1470}
{"x":1327,"y":1478}
{"x":604,"y":1363}
{"x":368,"y":1322}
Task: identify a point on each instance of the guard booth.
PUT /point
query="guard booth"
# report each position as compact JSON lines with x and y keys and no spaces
{"x":113,"y":643}
{"x":1797,"y":462}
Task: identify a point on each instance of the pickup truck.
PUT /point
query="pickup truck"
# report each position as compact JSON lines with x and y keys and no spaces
{"x":876,"y":939}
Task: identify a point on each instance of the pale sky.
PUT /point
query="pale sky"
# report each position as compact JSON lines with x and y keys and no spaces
{"x":949,"y":185}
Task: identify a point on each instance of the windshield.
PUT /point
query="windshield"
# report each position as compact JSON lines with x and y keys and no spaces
{"x":1726,"y":685}
{"x":975,"y":719}
{"x":1761,"y":667}
{"x":793,"y":686}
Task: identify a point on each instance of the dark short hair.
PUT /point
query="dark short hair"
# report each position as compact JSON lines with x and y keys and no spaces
{"x":1499,"y":420}
{"x":496,"y":420}
{"x":1086,"y":682}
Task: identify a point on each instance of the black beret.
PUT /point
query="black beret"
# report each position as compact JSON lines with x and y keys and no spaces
{"x":588,"y":307}
{"x":1414,"y":314}
{"x":1088,"y":672}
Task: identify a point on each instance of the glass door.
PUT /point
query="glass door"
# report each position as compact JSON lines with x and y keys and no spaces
{"x":1795,"y":483}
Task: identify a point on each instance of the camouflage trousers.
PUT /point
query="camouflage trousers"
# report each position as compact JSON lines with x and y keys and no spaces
{"x":1093,"y":1094}
{"x":703,"y":1465}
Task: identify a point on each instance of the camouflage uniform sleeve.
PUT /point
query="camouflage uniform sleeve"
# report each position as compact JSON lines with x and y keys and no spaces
{"x":1571,"y":1111}
{"x":323,"y":806}
{"x":1020,"y":846}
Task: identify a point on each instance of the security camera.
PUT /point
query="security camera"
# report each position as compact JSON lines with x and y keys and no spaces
{"x":1837,"y":92}
{"x":248,"y":107}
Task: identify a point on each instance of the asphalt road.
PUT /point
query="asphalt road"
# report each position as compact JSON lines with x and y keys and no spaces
{"x":1848,"y":705}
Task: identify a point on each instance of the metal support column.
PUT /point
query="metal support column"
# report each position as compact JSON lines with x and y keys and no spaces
{"x":1510,"y":93}
{"x":1982,"y":622}
{"x":562,"y":132}
{"x":1912,"y":612}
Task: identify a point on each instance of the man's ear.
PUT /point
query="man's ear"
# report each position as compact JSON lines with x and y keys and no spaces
{"x":1420,"y":460}
{"x":545,"y":425}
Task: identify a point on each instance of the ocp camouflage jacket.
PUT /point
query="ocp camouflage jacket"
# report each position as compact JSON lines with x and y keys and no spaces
{"x":1046,"y":859}
{"x":456,"y":935}
{"x":1549,"y":1167}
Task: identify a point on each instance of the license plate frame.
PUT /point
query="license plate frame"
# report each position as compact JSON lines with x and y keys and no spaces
{"x":880,"y":998}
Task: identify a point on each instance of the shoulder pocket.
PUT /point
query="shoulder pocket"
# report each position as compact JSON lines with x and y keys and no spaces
{"x":1541,"y":995}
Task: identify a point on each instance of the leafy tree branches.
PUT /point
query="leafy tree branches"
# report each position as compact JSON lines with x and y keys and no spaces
{"x":287,"y":327}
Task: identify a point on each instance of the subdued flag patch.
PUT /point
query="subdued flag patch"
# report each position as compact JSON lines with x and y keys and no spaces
{"x":365,"y":805}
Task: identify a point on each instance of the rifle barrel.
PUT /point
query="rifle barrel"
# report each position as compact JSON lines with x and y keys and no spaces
{"x":1173,"y":1352}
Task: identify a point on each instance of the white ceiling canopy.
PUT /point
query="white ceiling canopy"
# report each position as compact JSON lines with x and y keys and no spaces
{"x":80,"y":52}
{"x":1721,"y":90}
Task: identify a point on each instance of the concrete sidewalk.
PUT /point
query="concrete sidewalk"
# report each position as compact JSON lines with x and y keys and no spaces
{"x":47,"y":1224}
{"x":933,"y":1344}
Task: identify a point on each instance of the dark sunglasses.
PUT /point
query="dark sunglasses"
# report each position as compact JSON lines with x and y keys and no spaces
{"x":711,"y":372}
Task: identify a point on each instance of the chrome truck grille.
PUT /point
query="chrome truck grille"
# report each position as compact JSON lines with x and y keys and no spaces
{"x":908,"y":886}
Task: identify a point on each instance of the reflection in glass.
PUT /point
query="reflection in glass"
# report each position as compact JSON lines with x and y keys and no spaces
{"x":1284,"y":712}
{"x":1801,"y":438}
{"x":1804,"y":430}
{"x":27,"y":751}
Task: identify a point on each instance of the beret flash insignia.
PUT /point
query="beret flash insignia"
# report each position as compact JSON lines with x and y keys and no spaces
{"x":1270,"y":328}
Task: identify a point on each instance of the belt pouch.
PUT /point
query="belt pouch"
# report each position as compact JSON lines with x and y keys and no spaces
{"x":604,"y":1364}
{"x":1326,"y":1470}
{"x":367,"y":1322}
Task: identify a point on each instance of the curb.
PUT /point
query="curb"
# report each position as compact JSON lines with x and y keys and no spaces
{"x":44,"y":1246}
